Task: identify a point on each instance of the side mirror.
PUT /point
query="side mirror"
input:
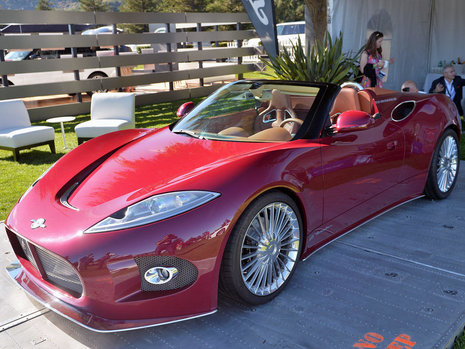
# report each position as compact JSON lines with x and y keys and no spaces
{"x":353,"y":120}
{"x":184,"y":109}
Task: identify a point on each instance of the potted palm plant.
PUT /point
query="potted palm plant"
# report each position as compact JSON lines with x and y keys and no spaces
{"x":322,"y":62}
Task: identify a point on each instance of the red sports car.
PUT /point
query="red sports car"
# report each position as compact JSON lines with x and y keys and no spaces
{"x":143,"y":227}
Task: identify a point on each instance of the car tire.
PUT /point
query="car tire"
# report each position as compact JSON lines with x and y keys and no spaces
{"x":96,"y":75}
{"x":9,"y":83}
{"x":260,"y":256}
{"x":444,"y":167}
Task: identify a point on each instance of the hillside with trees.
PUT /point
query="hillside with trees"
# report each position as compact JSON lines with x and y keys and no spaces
{"x":286,"y":10}
{"x":72,"y":5}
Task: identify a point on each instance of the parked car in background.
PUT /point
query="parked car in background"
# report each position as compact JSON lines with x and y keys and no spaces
{"x":101,"y":30}
{"x":59,"y":75}
{"x":288,"y":34}
{"x":23,"y":55}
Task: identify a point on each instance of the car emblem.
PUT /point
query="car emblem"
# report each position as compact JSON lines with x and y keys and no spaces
{"x":38,"y":223}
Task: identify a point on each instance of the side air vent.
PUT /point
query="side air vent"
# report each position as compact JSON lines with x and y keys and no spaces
{"x":403,"y":110}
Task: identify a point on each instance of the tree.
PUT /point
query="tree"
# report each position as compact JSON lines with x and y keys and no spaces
{"x":318,"y":10}
{"x":289,"y":10}
{"x":224,"y":6}
{"x":183,"y":6}
{"x":140,"y":6}
{"x":93,"y":5}
{"x":44,"y":5}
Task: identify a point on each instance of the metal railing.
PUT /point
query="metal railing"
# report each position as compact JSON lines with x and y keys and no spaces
{"x":117,"y":60}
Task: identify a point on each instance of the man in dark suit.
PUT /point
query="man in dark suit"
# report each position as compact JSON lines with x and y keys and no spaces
{"x":451,"y":85}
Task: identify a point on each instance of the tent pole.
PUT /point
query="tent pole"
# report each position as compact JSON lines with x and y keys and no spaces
{"x":430,"y":34}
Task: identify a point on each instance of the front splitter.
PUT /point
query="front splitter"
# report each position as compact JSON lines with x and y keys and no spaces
{"x":82,"y":318}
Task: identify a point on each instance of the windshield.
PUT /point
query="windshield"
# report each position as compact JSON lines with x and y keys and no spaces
{"x":16,"y":55}
{"x":250,"y":112}
{"x":290,"y":29}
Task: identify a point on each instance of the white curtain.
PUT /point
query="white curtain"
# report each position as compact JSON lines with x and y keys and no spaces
{"x":410,"y":24}
{"x":448,"y":35}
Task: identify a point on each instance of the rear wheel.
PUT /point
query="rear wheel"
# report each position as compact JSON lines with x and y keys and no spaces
{"x":96,"y":75}
{"x":263,"y":250}
{"x":444,"y":168}
{"x":9,"y":83}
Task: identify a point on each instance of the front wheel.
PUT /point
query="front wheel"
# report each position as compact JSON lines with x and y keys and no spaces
{"x":444,"y":168}
{"x":263,"y":250}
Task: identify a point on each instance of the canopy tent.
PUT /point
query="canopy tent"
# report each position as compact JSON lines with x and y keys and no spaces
{"x":418,"y":33}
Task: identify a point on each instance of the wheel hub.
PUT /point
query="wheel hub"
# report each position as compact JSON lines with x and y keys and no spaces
{"x":268,"y":250}
{"x":446,"y":164}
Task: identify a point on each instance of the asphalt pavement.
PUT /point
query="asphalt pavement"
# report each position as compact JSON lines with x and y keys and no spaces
{"x":396,"y":282}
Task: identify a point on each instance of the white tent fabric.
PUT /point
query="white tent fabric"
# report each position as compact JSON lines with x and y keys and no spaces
{"x":448,"y":34}
{"x":418,"y":33}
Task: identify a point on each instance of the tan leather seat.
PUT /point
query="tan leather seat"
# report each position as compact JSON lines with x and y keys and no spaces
{"x":281,"y":102}
{"x":234,"y":131}
{"x":274,"y":134}
{"x":365,"y":102}
{"x":347,"y":99}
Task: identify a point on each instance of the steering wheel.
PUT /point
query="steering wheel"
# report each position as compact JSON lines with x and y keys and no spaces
{"x":285,"y":121}
{"x":356,"y":86}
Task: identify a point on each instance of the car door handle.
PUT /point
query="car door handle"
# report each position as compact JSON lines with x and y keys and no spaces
{"x":391,"y":145}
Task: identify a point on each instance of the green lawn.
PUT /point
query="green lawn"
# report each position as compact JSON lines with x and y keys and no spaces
{"x":260,"y":74}
{"x":16,"y":177}
{"x":459,"y":342}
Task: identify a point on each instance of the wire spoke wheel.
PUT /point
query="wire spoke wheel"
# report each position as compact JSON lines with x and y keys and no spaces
{"x":447,"y":164}
{"x":263,"y":249}
{"x":270,"y":248}
{"x":444,"y":168}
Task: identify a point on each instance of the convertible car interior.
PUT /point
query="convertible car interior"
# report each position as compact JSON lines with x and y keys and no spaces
{"x":264,"y":113}
{"x":283,"y":112}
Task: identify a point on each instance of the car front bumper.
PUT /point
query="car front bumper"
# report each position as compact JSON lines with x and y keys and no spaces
{"x":81,"y":316}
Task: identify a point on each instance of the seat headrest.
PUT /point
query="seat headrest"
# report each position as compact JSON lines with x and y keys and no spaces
{"x":366,"y":102}
{"x":347,"y":99}
{"x":279,"y":101}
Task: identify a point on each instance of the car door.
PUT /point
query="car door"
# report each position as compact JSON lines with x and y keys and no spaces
{"x":358,"y":165}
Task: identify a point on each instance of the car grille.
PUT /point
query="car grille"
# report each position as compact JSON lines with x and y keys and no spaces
{"x":27,"y":251}
{"x":57,"y":270}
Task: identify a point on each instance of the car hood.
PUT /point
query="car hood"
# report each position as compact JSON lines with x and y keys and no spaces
{"x":111,"y":172}
{"x":154,"y":164}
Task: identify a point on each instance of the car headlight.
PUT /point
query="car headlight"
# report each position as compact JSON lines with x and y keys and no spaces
{"x":153,"y":209}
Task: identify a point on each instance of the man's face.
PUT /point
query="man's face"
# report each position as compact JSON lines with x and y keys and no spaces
{"x":449,"y":73}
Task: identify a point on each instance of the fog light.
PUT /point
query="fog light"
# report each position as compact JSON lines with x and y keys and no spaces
{"x":160,"y":275}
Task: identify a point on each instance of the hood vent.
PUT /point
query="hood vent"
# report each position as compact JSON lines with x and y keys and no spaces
{"x":65,"y":193}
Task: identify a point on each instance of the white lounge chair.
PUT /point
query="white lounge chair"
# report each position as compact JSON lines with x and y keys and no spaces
{"x":16,"y":132}
{"x":109,"y":112}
